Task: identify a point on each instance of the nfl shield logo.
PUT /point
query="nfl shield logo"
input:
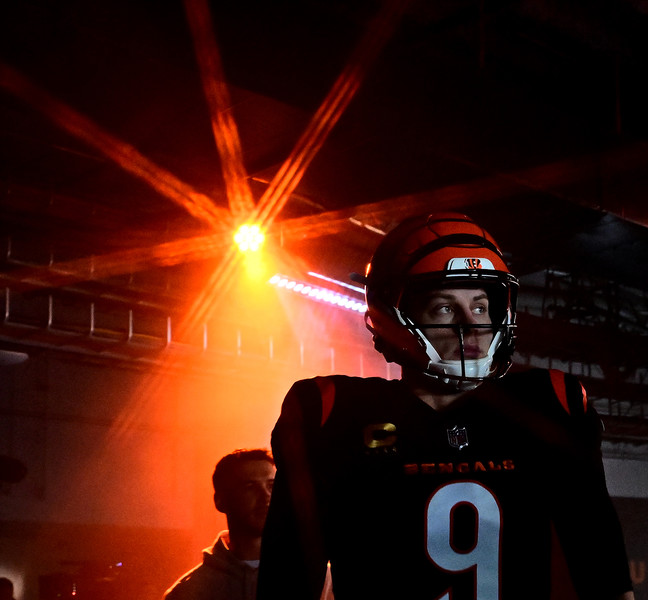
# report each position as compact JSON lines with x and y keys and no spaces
{"x":458,"y":437}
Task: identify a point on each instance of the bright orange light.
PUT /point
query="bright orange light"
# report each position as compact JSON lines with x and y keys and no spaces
{"x":249,"y":238}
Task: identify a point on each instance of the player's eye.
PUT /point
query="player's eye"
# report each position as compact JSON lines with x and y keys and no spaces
{"x":442,"y":309}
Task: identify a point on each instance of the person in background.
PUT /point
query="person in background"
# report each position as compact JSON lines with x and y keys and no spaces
{"x":460,"y":480}
{"x":242,"y":482}
{"x":6,"y":589}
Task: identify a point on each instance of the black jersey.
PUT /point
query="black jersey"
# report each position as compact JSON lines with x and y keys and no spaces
{"x":408,"y":502}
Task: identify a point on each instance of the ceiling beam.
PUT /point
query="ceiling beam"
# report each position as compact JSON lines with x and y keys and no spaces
{"x":551,"y":179}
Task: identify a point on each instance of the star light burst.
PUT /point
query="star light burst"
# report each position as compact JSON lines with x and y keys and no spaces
{"x":242,"y":208}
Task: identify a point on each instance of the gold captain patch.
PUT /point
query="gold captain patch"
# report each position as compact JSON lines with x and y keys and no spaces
{"x":379,"y":435}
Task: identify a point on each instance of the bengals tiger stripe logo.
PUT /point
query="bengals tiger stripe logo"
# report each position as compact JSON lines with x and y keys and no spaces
{"x":473,"y":263}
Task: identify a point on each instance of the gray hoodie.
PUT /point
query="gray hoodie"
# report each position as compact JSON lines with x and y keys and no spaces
{"x":221,"y":576}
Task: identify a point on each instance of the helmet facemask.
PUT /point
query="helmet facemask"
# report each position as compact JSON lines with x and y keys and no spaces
{"x":464,"y":372}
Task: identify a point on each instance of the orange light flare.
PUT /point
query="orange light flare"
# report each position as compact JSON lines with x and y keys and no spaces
{"x":95,"y":268}
{"x":231,"y":267}
{"x":244,"y":300}
{"x":236,"y":296}
{"x":330,"y":111}
{"x":191,"y":421}
{"x":223,"y":125}
{"x":126,"y":156}
{"x":293,"y":169}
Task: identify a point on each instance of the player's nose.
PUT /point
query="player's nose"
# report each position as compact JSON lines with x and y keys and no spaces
{"x":464,"y":315}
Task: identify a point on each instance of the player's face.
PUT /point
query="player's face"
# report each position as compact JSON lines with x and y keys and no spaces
{"x":454,"y":306}
{"x":249,"y":496}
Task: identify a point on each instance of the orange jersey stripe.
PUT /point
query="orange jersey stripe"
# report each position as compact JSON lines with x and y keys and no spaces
{"x":558,"y":382}
{"x":327,"y":393}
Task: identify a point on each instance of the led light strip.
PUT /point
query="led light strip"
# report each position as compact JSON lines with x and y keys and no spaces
{"x":317,"y":293}
{"x":355,"y":288}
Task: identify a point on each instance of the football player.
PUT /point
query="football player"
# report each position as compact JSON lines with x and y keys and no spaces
{"x":458,"y":481}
